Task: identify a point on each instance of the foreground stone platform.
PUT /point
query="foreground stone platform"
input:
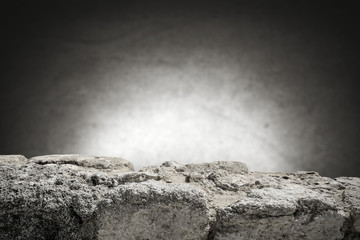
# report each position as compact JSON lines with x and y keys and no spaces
{"x":89,"y":197}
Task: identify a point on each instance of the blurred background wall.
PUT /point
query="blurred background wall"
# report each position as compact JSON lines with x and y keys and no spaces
{"x":274,"y":84}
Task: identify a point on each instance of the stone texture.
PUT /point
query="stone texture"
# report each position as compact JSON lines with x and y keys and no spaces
{"x":103,"y":163}
{"x":154,"y":210}
{"x":351,"y":196}
{"x":89,"y":197}
{"x":13,"y":159}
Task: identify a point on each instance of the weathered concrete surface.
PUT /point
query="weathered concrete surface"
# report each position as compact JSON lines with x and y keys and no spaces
{"x":89,"y":197}
{"x":103,"y":163}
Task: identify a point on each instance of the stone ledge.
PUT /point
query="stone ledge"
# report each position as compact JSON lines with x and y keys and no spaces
{"x":90,"y":197}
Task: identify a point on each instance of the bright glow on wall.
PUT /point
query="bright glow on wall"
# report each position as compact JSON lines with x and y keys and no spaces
{"x":192,"y":114}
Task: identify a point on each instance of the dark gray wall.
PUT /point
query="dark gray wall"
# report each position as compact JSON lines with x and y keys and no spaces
{"x":271,"y":83}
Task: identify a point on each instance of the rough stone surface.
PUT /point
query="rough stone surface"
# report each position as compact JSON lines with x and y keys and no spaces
{"x":89,"y":197}
{"x":351,"y":196}
{"x":13,"y":159}
{"x":103,"y":163}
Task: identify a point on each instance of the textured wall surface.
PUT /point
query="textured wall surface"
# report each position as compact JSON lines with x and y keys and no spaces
{"x":272,"y":84}
{"x":89,"y":197}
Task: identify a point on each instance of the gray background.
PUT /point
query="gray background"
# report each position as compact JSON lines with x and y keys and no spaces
{"x":273,"y":84}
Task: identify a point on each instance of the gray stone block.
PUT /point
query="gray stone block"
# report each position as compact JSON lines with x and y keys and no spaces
{"x":89,"y":197}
